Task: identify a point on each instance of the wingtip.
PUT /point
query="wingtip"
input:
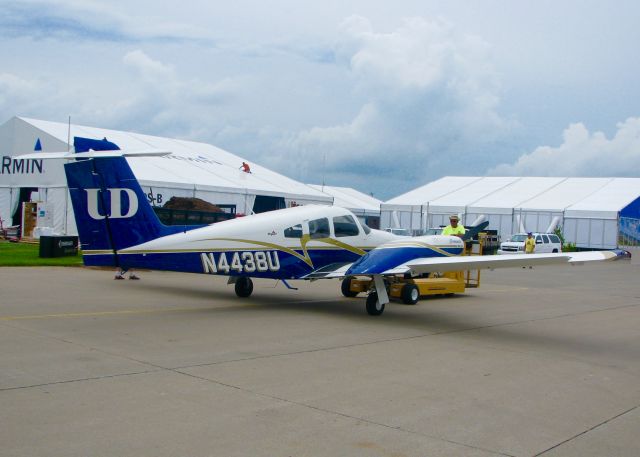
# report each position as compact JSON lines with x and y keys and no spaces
{"x":618,"y":254}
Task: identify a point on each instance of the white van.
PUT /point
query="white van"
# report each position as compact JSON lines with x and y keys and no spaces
{"x":545,"y":242}
{"x":399,"y":231}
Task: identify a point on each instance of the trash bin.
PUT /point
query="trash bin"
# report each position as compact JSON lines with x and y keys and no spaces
{"x":58,"y":246}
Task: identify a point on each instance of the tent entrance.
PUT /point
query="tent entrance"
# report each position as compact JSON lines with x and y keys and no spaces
{"x":264,"y":204}
{"x":23,"y":197}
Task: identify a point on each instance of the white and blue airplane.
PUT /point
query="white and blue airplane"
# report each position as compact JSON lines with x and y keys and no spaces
{"x":118,"y":228}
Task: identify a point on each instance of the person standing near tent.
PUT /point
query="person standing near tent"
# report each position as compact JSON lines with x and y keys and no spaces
{"x":454,"y":229}
{"x":529,"y":244}
{"x":245,"y":167}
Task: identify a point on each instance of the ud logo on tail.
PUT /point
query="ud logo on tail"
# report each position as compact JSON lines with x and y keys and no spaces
{"x":116,"y":203}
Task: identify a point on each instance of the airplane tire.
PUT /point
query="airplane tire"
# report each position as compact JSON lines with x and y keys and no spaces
{"x":346,"y":288}
{"x":374,"y":308}
{"x":410,"y":294}
{"x":244,"y":287}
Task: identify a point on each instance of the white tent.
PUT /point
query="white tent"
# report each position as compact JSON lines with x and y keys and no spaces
{"x":359,"y":203}
{"x":193,"y":170}
{"x":498,"y":207}
{"x":612,"y":211}
{"x":362,"y":205}
{"x":410,"y":210}
{"x":589,"y":210}
{"x":458,"y":201}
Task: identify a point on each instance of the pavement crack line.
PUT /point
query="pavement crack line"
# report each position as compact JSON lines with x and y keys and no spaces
{"x":338,"y":413}
{"x":329,"y":348}
{"x":154,"y":367}
{"x":157,"y":368}
{"x":402,"y":338}
{"x":178,"y":370}
{"x":588,"y":430}
{"x":70,"y":381}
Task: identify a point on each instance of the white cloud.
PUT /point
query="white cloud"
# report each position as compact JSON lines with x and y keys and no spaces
{"x":160,"y":100}
{"x":27,"y":93}
{"x":149,"y":69}
{"x":414,"y":55}
{"x":88,"y":20}
{"x":384,"y":108}
{"x":12,"y":86}
{"x":430,"y":103}
{"x":583,"y":153}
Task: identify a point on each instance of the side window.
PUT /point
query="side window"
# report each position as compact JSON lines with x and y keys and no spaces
{"x":538,"y":239}
{"x":545,"y":238}
{"x":554,"y":238}
{"x":293,"y":232}
{"x":319,"y":228}
{"x":345,"y":226}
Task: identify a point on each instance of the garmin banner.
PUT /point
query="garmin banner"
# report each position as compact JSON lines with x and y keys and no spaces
{"x":16,"y":172}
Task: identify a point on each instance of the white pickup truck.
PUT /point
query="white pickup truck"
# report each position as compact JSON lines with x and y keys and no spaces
{"x":545,"y":242}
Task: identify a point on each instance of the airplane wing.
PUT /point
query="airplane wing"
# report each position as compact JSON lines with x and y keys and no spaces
{"x":423,"y":265}
{"x":457,"y":263}
{"x":400,"y":258}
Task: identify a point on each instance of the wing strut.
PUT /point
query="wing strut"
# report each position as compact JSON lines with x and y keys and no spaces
{"x":287,"y":285}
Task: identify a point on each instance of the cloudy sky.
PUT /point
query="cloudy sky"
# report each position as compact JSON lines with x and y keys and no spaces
{"x":380,"y":96}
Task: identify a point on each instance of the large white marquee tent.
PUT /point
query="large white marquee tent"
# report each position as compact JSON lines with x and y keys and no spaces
{"x":592,"y":212}
{"x":193,"y":170}
{"x":362,"y":205}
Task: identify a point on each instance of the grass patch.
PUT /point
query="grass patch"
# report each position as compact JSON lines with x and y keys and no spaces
{"x":28,"y":255}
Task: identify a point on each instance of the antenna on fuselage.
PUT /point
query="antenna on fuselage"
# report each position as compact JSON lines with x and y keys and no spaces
{"x":69,"y":135}
{"x":324,"y":164}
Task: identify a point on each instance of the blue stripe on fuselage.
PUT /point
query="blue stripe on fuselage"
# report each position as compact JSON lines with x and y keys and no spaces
{"x":269,"y":263}
{"x":380,"y":260}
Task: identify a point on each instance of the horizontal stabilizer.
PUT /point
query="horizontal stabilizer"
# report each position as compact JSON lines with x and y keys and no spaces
{"x":94,"y":154}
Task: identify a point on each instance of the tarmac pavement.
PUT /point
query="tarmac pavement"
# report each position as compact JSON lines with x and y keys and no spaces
{"x":534,"y":362}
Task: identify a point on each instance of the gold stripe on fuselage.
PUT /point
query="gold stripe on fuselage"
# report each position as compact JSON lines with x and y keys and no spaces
{"x":305,"y":257}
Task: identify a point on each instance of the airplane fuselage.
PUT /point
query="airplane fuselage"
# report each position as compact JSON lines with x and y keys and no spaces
{"x":284,"y":244}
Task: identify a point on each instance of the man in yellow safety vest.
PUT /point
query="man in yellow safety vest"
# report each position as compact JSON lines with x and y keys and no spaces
{"x":454,"y":228}
{"x":529,"y":244}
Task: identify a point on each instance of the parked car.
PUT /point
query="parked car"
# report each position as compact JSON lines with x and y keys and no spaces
{"x":399,"y":231}
{"x":545,"y":242}
{"x":433,"y":231}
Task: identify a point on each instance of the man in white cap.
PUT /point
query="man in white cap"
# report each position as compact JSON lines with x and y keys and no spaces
{"x":454,"y":228}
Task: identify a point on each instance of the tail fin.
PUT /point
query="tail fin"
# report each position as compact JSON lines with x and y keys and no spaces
{"x":111,"y":210}
{"x":471,"y":232}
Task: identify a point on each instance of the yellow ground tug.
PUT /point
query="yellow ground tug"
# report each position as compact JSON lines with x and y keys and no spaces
{"x":409,"y":290}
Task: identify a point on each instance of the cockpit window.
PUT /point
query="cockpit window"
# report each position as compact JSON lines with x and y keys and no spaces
{"x":293,"y":232}
{"x":366,"y":228}
{"x":319,"y":228}
{"x":345,"y":226}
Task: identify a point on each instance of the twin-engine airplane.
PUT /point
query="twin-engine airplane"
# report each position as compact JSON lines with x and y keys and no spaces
{"x":118,"y":228}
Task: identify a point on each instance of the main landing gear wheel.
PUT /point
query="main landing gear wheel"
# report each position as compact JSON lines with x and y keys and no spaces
{"x":244,"y":287}
{"x":374,"y":307}
{"x":346,"y":288}
{"x":410,"y":294}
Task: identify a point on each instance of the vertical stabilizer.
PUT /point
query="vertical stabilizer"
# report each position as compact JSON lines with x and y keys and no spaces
{"x":111,"y":210}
